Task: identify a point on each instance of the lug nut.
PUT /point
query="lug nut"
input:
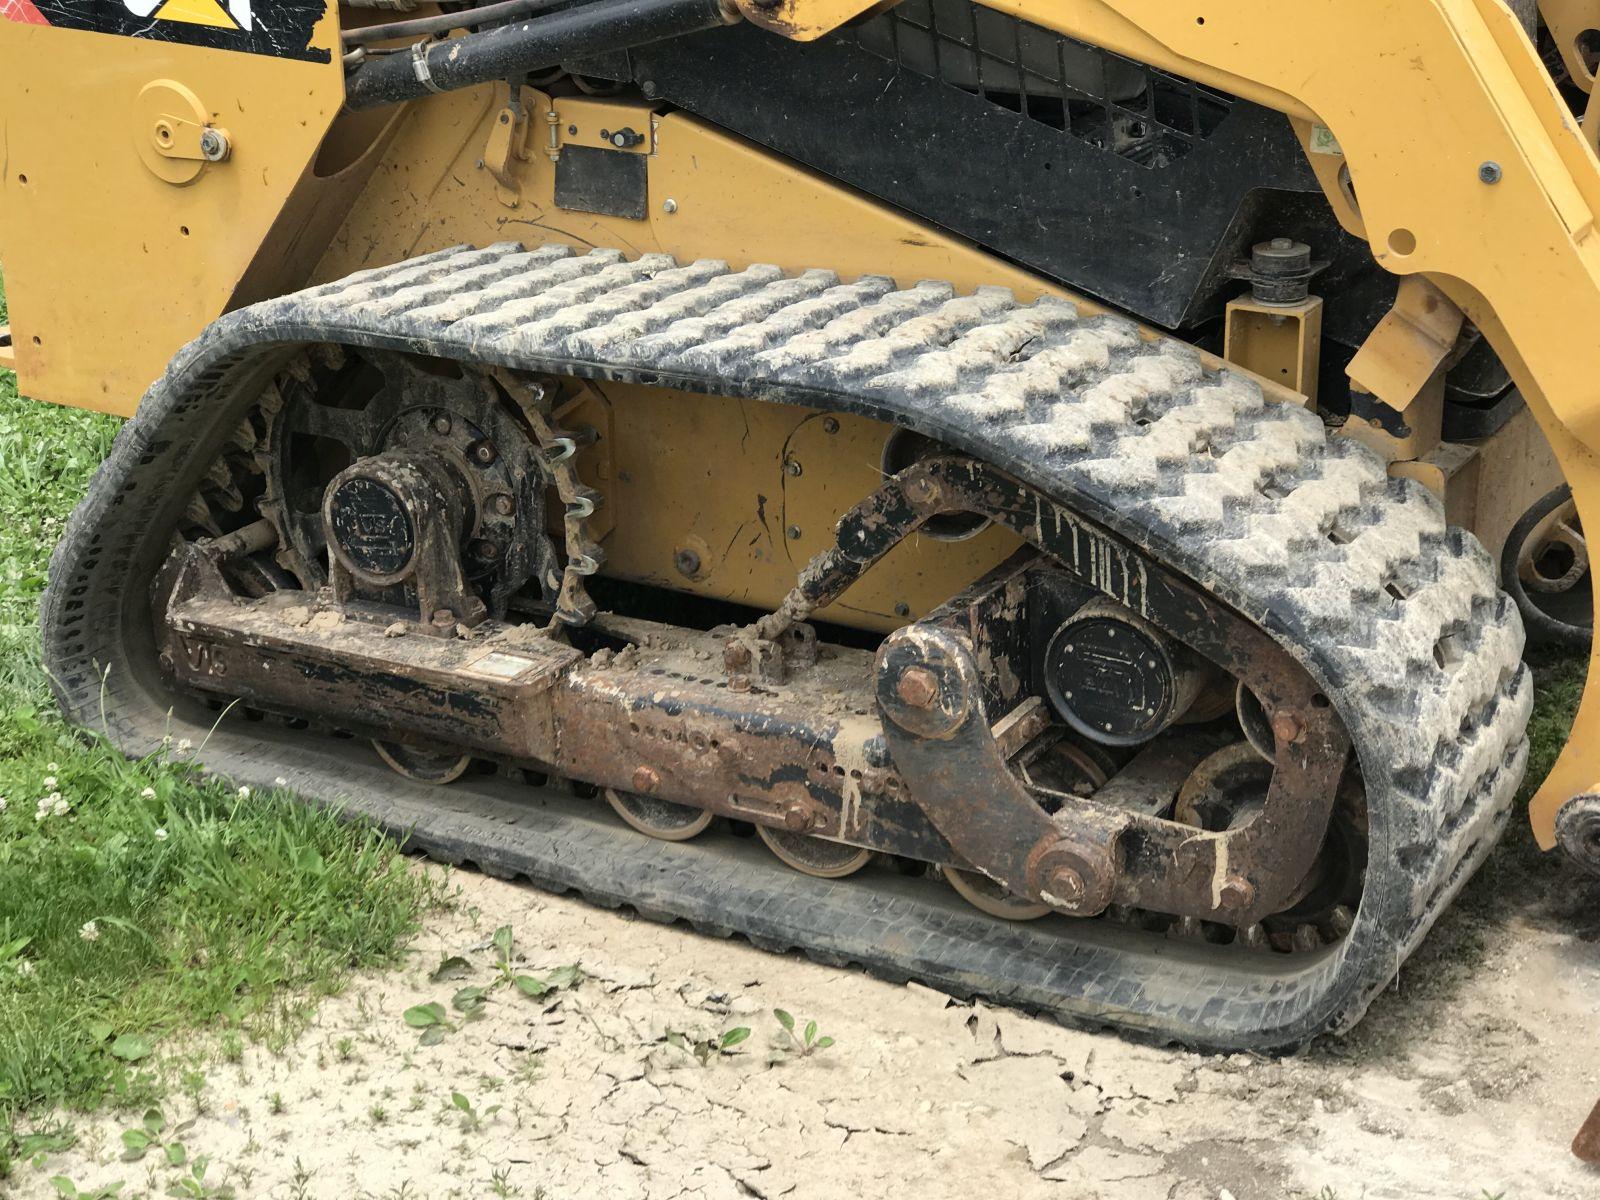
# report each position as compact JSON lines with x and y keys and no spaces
{"x":442,"y":618}
{"x":918,"y":687}
{"x":483,"y":454}
{"x":1237,"y":892}
{"x":646,"y":780}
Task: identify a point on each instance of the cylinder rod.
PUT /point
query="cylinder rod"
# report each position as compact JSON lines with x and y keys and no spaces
{"x":513,"y":50}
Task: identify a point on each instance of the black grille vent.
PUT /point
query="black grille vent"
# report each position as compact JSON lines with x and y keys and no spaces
{"x":1111,"y":102}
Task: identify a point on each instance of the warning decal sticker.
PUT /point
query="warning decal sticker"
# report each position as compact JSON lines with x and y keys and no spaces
{"x":280,"y":28}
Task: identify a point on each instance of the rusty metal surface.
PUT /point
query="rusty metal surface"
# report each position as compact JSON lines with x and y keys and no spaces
{"x":1587,"y":1144}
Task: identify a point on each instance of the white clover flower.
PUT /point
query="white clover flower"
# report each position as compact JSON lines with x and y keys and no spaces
{"x":46,"y":807}
{"x":90,"y":932}
{"x":280,"y":781}
{"x":58,"y":806}
{"x":185,"y":745}
{"x":166,"y":739}
{"x":25,"y":967}
{"x":161,"y":835}
{"x":244,"y":793}
{"x":50,"y":782}
{"x":148,"y":794}
{"x":2,"y":804}
{"x":52,"y":767}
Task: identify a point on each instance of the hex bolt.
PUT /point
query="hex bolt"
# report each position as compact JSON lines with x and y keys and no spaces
{"x":1236,"y":892}
{"x":902,"y":609}
{"x":1288,"y":727}
{"x":830,"y":425}
{"x":645,"y":780}
{"x":918,"y":687}
{"x":669,"y":206}
{"x":792,"y":466}
{"x":441,"y":424}
{"x":1489,"y":172}
{"x":687,"y":561}
{"x":442,"y":618}
{"x":797,"y":817}
{"x":483,"y":454}
{"x":738,"y":683}
{"x":504,"y":504}
{"x":214,"y":145}
{"x":794,"y":533}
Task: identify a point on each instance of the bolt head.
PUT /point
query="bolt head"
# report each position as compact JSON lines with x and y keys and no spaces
{"x":1288,"y":727}
{"x":830,"y":425}
{"x":669,"y":206}
{"x":797,"y":817}
{"x":504,"y":505}
{"x":794,"y":533}
{"x":1489,"y":172}
{"x":483,"y":452}
{"x":1237,"y":892}
{"x":793,"y":466}
{"x":214,"y":145}
{"x":646,"y":780}
{"x":736,"y":656}
{"x":917,"y":687}
{"x":441,"y":424}
{"x":442,"y":618}
{"x":688,"y":562}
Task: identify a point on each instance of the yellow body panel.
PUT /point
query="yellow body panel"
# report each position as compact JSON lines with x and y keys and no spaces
{"x":110,"y":268}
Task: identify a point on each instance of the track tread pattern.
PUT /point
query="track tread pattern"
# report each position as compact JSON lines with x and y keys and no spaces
{"x":1396,"y":615}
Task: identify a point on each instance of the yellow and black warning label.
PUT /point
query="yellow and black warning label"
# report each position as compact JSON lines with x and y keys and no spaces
{"x":280,"y":28}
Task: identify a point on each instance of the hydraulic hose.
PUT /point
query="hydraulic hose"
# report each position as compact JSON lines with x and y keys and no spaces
{"x":365,"y":35}
{"x":511,"y":51}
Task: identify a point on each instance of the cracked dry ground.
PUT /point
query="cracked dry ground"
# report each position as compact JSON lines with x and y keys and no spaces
{"x":1472,"y":1077}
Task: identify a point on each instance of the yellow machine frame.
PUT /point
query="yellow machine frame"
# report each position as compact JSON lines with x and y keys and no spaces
{"x":1432,"y":125}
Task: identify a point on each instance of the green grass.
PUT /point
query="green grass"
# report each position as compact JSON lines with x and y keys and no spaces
{"x":210,"y":910}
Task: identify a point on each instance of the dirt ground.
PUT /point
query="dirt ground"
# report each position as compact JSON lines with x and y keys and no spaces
{"x":1467,"y":1080}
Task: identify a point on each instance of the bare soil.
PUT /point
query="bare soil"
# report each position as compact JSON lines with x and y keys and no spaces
{"x":1468,"y":1078}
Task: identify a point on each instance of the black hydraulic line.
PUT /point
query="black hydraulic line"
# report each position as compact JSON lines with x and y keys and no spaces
{"x":510,"y":51}
{"x":444,"y":22}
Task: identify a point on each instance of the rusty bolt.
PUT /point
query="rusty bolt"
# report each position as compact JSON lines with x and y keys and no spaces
{"x":736,"y":656}
{"x":441,"y":424}
{"x":646,"y":780}
{"x":483,"y":453}
{"x":504,"y":505}
{"x":1288,"y":727}
{"x":687,"y":561}
{"x":1065,"y":885}
{"x":738,"y":683}
{"x":1237,"y":892}
{"x":798,"y":817}
{"x":443,"y":618}
{"x":922,"y":490}
{"x":918,"y":687}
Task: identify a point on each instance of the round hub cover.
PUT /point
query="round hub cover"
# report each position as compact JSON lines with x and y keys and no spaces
{"x":372,"y":526}
{"x":1110,"y":679}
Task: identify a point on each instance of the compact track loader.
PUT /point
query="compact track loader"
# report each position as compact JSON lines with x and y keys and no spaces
{"x":1041,"y":498}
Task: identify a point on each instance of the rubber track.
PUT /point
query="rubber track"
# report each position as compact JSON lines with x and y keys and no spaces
{"x":1397,"y":617}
